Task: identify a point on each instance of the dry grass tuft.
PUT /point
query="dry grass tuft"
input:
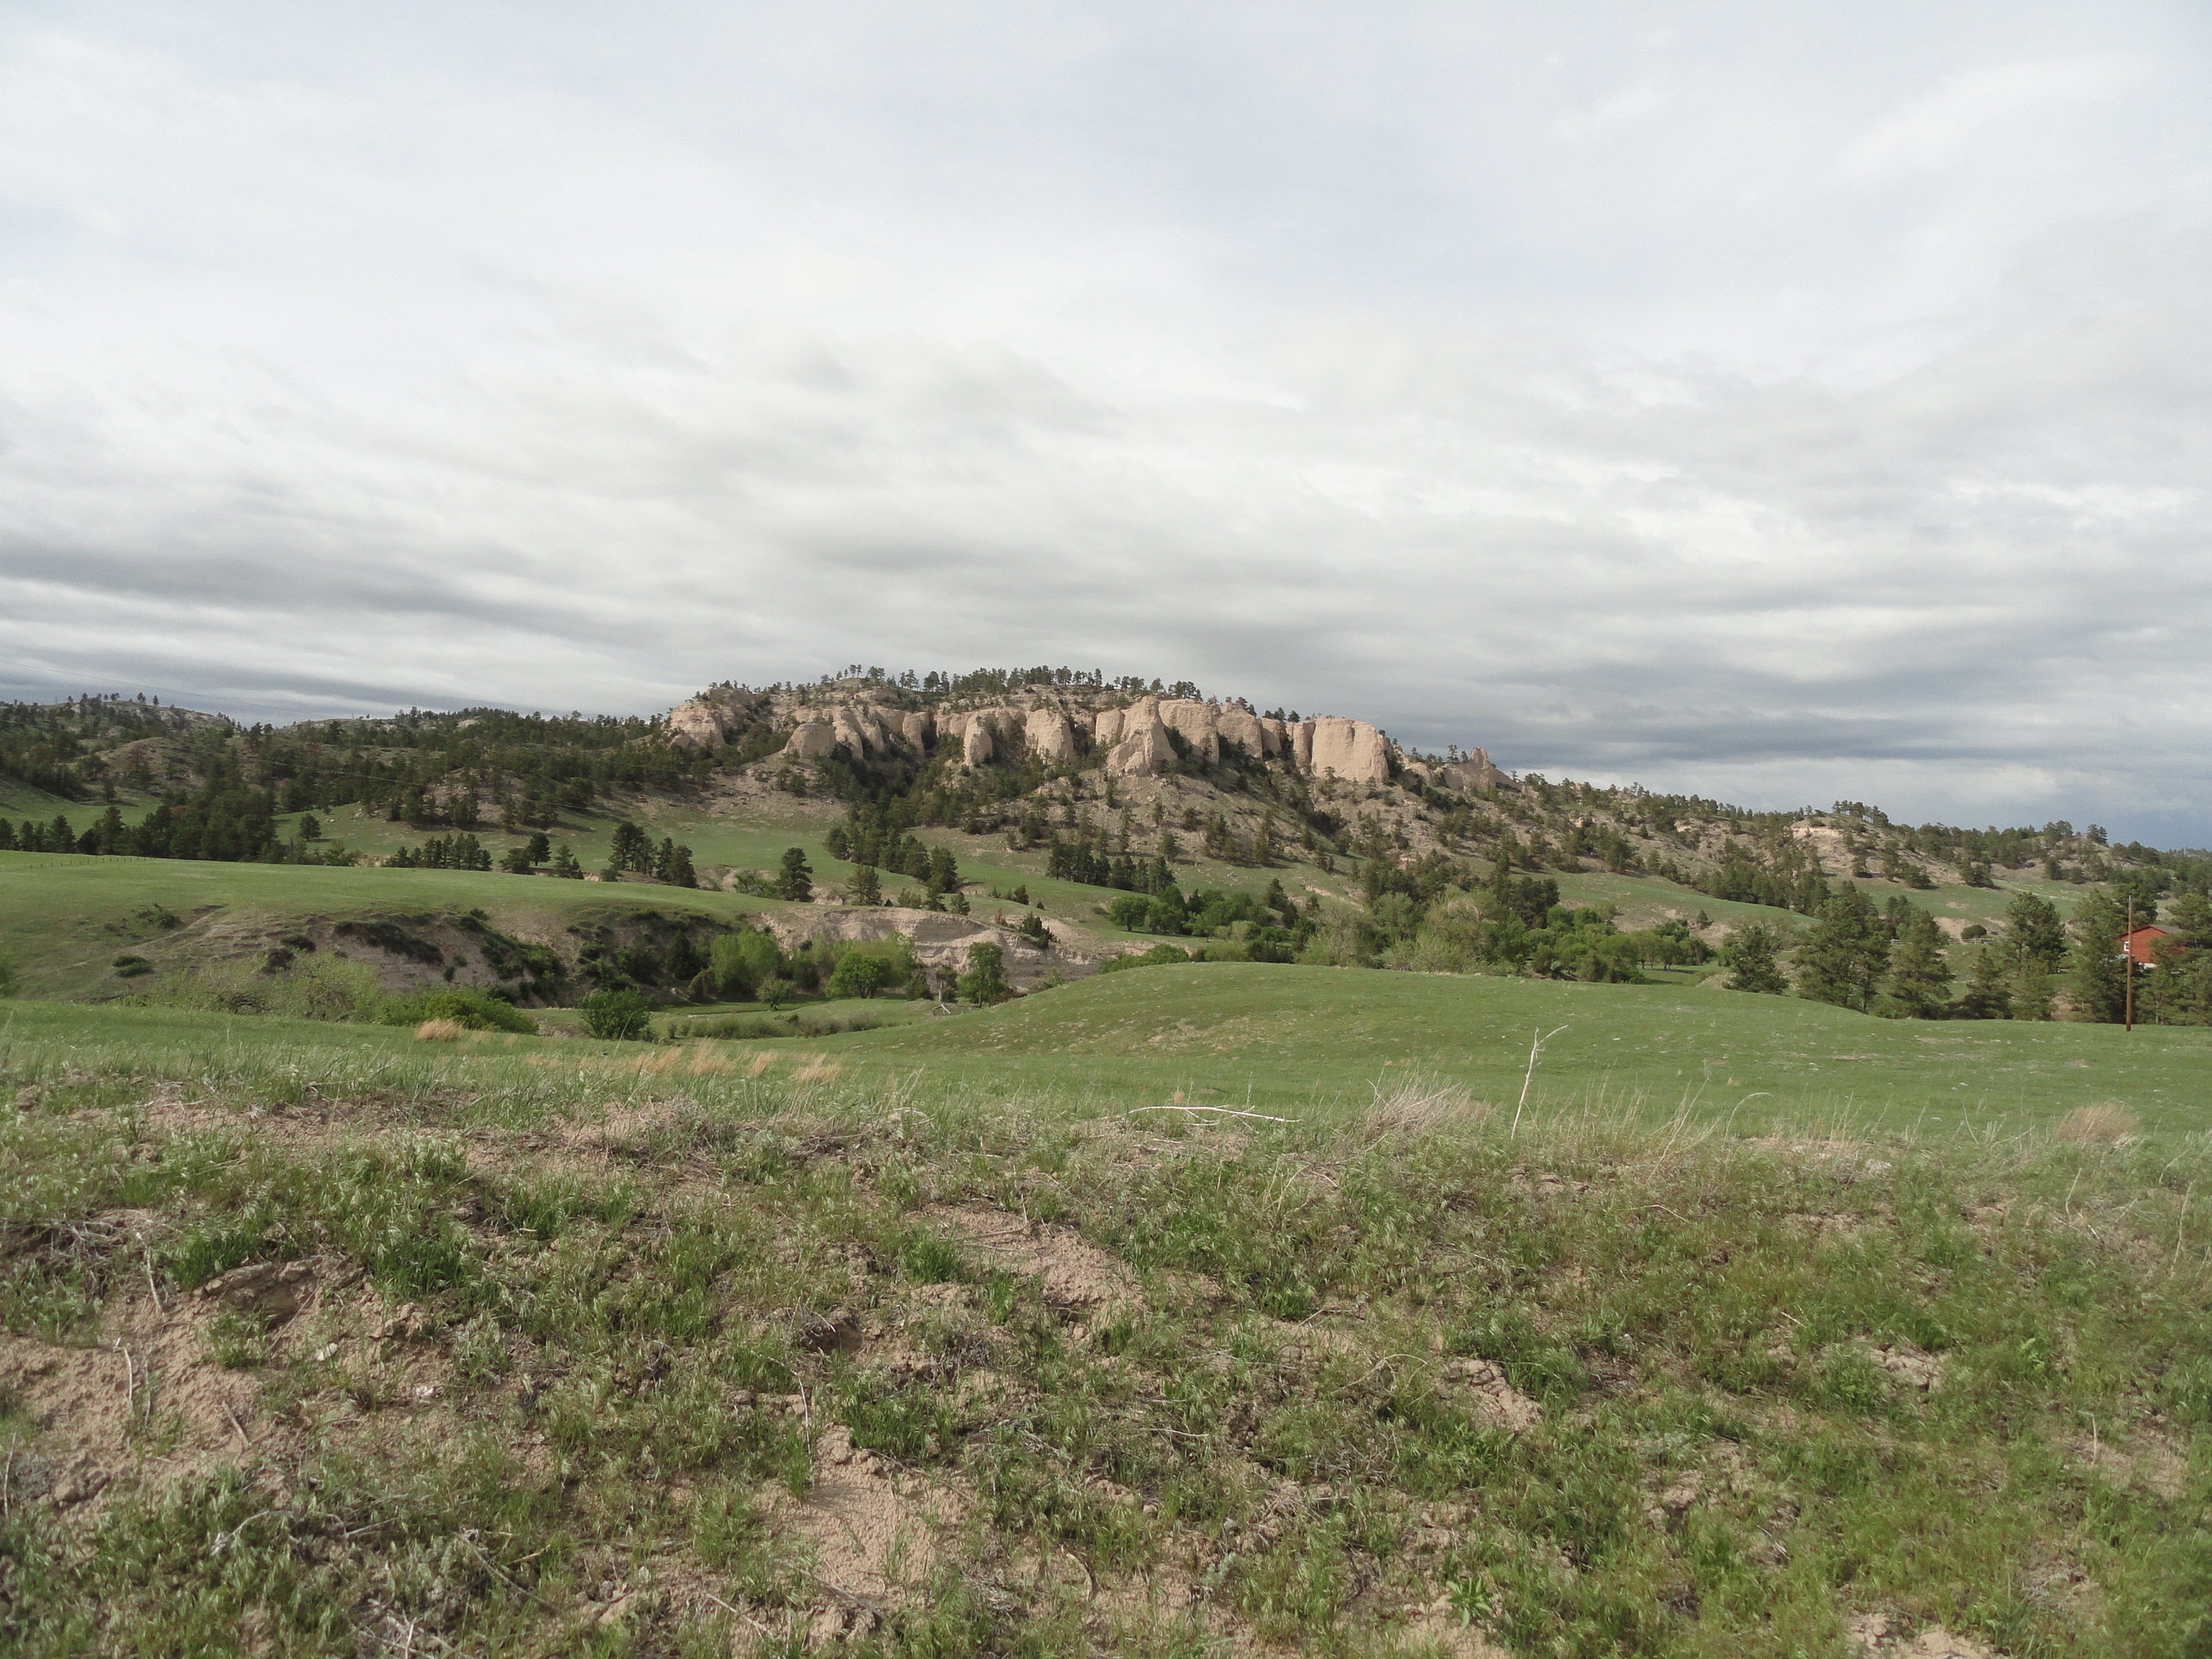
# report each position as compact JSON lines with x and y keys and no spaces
{"x":2104,"y":1124}
{"x":1415,"y":1105}
{"x":439,"y":1030}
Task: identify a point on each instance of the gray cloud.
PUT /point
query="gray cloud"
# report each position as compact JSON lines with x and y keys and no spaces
{"x":1783,"y":413}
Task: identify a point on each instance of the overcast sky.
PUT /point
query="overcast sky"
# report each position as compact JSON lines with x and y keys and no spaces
{"x":1786,"y":403}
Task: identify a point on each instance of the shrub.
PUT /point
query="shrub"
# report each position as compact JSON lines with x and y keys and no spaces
{"x":438,"y":1030}
{"x":617,"y":1016}
{"x":738,"y":962}
{"x":463,"y":1006}
{"x":1157,"y":957}
{"x":130,"y":967}
{"x":859,"y":975}
{"x":985,"y":981}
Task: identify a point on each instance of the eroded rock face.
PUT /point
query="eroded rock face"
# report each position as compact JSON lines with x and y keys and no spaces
{"x":1474,"y":773}
{"x":857,"y":730}
{"x":1050,"y":737}
{"x":917,"y":729}
{"x":1144,"y":750}
{"x":1106,"y":731}
{"x":1351,"y":750}
{"x":813,"y":740}
{"x":697,"y":724}
{"x":708,"y":720}
{"x":1243,"y":728}
{"x":1197,"y":723}
{"x":1301,"y":745}
{"x":977,"y":746}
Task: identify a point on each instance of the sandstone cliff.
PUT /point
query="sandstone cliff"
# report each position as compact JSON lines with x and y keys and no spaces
{"x":1063,"y":727}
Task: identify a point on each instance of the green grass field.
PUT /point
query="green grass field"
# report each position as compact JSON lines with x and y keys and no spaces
{"x":935,"y":1344}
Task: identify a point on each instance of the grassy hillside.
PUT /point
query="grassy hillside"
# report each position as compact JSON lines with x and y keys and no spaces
{"x":319,"y":1339}
{"x":65,"y":917}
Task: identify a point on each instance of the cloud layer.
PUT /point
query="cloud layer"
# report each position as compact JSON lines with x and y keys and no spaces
{"x":1781,"y":413}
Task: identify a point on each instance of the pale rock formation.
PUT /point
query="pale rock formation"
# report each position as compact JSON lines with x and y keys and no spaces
{"x":1301,"y":735}
{"x":854,"y":729}
{"x":1198,"y":725}
{"x":975,"y":744}
{"x":1274,"y":737}
{"x":1474,"y":773}
{"x":1352,"y":749}
{"x":697,"y":724}
{"x":916,"y":729}
{"x":1242,"y":727}
{"x":813,"y":740}
{"x":1106,"y":731}
{"x":1050,"y":737}
{"x":705,"y":722}
{"x":1144,"y":750}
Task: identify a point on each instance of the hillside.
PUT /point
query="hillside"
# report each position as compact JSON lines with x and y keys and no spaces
{"x":1090,"y":1171}
{"x":1105,"y":818}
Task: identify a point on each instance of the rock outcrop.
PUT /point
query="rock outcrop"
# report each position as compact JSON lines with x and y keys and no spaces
{"x":1064,"y":726}
{"x":1241,"y":726}
{"x":1143,"y":751}
{"x":1050,"y":737}
{"x":707,"y":721}
{"x":1351,"y":750}
{"x":813,"y":740}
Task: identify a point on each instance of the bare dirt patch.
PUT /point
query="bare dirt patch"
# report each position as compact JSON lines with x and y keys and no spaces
{"x":1877,"y":1635}
{"x":871,"y":1533}
{"x":1074,"y":1274}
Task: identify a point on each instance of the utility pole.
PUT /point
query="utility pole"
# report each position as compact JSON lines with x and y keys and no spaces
{"x":2128,"y":963}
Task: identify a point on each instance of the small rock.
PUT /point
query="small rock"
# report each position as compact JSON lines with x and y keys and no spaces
{"x":272,"y":1290}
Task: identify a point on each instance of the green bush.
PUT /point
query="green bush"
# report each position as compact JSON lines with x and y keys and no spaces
{"x":465,"y":1005}
{"x":1157,"y":957}
{"x":617,"y":1016}
{"x":859,"y":975}
{"x":738,"y":962}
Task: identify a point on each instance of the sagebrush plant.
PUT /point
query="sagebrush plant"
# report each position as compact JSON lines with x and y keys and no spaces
{"x":1767,"y":1381}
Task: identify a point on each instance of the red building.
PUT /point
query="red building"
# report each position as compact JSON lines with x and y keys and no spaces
{"x":2142,"y":944}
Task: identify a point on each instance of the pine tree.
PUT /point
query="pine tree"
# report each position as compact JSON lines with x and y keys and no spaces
{"x":943,"y":874}
{"x":1752,"y":953}
{"x":680,"y":873}
{"x":1989,"y":987}
{"x":1845,"y":951}
{"x":2097,"y":983}
{"x":565,"y":865}
{"x":631,"y":848}
{"x":1918,"y":984}
{"x":795,"y":879}
{"x":866,"y":887}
